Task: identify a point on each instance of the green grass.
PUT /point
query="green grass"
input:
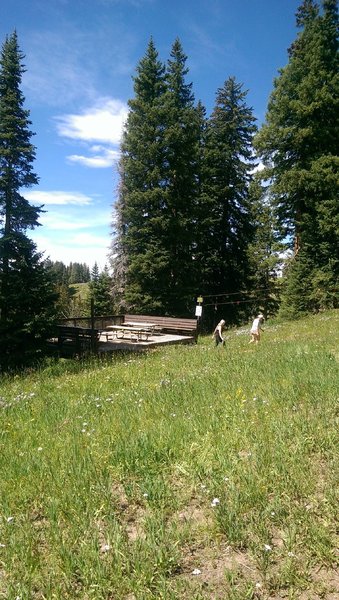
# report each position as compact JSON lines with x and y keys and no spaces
{"x":122,"y":477}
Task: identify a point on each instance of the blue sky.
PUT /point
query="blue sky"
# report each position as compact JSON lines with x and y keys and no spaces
{"x":80,"y":57}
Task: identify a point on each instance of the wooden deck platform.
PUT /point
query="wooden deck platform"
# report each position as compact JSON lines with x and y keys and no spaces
{"x":152,"y":342}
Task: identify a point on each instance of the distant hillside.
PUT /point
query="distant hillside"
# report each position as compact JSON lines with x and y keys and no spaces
{"x":82,"y":290}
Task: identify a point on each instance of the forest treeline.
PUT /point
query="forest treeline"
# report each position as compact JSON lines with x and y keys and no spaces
{"x":72,"y":273}
{"x":208,"y":205}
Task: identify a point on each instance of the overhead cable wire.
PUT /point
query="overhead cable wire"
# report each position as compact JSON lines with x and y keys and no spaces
{"x":233,"y":293}
{"x":216,"y":304}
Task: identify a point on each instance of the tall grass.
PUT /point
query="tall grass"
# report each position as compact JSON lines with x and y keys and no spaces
{"x":187,"y":472}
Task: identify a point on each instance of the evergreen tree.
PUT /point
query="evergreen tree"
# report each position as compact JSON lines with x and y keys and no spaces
{"x":265,"y":251}
{"x":183,"y":125}
{"x":100,"y":292}
{"x":138,"y":257}
{"x":299,"y":146}
{"x":95,"y":272}
{"x":152,"y":256}
{"x":225,"y":216}
{"x":26,"y":296}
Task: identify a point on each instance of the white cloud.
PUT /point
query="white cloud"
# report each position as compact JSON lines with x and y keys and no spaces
{"x":102,"y":159}
{"x":55,"y":221}
{"x":101,"y":123}
{"x":57,"y":197}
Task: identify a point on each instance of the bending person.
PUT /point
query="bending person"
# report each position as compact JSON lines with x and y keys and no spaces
{"x":256,"y":329}
{"x":217,"y":333}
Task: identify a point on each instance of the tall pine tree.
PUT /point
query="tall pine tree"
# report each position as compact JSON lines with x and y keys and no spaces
{"x":26,"y":296}
{"x":299,"y":146}
{"x":152,"y":254}
{"x":183,"y":123}
{"x":225,"y":226}
{"x":138,"y":257}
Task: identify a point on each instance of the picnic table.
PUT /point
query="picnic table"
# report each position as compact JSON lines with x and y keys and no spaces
{"x":137,"y":333}
{"x":146,"y":326}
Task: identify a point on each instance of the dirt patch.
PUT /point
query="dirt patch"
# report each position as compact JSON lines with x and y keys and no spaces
{"x":131,"y":515}
{"x":214,"y":570}
{"x":326,"y":584}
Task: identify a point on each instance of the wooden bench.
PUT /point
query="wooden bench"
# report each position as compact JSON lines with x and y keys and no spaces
{"x":174,"y":325}
{"x":77,"y":340}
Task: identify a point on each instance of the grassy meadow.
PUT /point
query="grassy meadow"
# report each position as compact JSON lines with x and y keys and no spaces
{"x":188,"y":472}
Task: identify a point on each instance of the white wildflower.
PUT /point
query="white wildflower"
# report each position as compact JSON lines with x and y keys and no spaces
{"x":268,"y":548}
{"x":196,"y":572}
{"x":215,"y":502}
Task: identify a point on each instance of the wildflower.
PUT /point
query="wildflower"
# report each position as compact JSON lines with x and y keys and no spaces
{"x":145,"y":495}
{"x":268,"y":548}
{"x":196,"y":572}
{"x":40,"y":449}
{"x":10,"y":519}
{"x":258,"y":585}
{"x":273,"y":513}
{"x":291,"y":554}
{"x":2,"y":545}
{"x":106,"y":548}
{"x":215,"y":502}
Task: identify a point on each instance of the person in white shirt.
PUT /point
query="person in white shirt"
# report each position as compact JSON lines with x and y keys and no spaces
{"x":256,"y":329}
{"x":217,"y":333}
